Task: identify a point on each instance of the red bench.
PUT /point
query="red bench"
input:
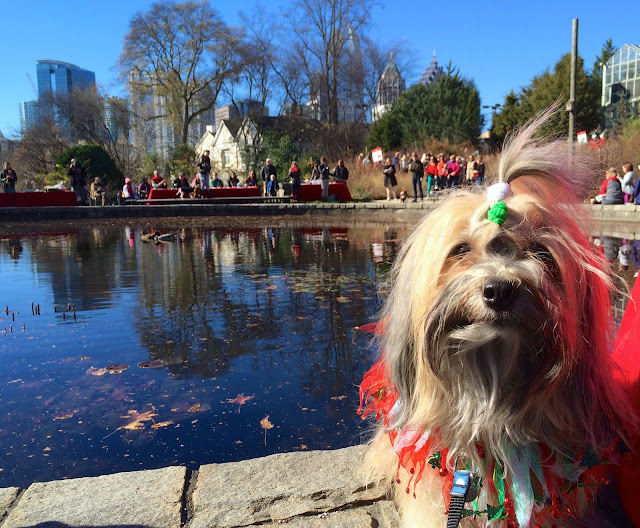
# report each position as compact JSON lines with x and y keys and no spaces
{"x":38,"y":199}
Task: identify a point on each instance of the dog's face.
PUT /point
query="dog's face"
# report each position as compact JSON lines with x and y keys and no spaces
{"x":498,"y":333}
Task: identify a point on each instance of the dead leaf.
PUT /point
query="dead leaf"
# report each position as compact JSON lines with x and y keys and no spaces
{"x":138,"y":419}
{"x":195,"y":408}
{"x":342,"y":299}
{"x":63,"y":415}
{"x":96,"y":371}
{"x":272,"y":287}
{"x":153,"y":363}
{"x":161,"y":424}
{"x":240,"y":399}
{"x":116,"y":369}
{"x":343,"y":397}
{"x":266,"y":424}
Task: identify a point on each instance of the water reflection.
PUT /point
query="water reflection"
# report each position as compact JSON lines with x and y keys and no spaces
{"x":143,"y":349}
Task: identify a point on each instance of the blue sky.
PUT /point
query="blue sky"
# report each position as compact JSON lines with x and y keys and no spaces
{"x":500,"y":45}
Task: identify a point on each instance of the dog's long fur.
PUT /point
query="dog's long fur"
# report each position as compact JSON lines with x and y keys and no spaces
{"x":538,"y":372}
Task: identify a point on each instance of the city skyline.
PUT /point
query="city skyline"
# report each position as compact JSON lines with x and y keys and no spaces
{"x":56,"y":81}
{"x":490,"y":47}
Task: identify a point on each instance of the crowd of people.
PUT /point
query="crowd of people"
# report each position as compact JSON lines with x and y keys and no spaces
{"x":206,"y":179}
{"x":438,"y":172}
{"x":619,"y":188}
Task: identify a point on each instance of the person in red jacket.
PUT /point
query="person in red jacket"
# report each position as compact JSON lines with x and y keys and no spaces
{"x":431,"y":172}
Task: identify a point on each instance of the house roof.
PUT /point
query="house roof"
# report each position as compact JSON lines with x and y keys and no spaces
{"x":232,"y":125}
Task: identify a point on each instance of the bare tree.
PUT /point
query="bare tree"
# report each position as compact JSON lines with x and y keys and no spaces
{"x":99,"y":120}
{"x":181,"y":51}
{"x":38,"y":150}
{"x":327,"y":40}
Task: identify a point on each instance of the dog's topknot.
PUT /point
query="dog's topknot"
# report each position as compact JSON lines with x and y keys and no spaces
{"x":546,"y":169}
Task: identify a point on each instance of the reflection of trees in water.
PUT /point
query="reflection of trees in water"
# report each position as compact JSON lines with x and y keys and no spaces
{"x":83,"y":268}
{"x":223,"y":294}
{"x":209,"y":297}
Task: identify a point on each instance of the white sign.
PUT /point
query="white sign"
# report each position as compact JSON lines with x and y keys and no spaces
{"x":376,"y":155}
{"x":582,"y":137}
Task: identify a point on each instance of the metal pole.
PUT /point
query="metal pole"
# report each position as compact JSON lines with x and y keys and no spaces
{"x":571,"y":105}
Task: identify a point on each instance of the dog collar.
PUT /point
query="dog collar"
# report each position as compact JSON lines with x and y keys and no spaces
{"x":497,"y":193}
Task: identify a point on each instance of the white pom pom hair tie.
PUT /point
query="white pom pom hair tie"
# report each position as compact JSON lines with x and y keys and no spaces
{"x":498,"y":191}
{"x":496,"y":194}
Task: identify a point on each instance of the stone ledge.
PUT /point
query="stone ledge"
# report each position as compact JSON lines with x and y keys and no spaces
{"x":7,"y":498}
{"x":281,"y":487}
{"x":315,"y":489}
{"x":152,"y":499}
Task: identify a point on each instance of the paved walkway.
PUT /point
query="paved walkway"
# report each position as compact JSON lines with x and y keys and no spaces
{"x":316,"y":489}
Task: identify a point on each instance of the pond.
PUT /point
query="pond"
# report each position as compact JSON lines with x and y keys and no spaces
{"x":218,"y":345}
{"x":221,"y":345}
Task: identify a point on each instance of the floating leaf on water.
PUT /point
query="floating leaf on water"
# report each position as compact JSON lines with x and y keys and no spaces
{"x":196,"y":408}
{"x":251,"y":325}
{"x":272,"y":287}
{"x":161,"y":424}
{"x":266,"y":424}
{"x":96,"y":371}
{"x":84,"y":358}
{"x":343,"y":397}
{"x":116,"y":369}
{"x":342,"y":299}
{"x":240,"y":399}
{"x":63,"y":415}
{"x":152,"y":363}
{"x":137,"y":419}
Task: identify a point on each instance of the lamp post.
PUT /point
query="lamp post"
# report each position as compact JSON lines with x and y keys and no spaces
{"x":493,"y":108}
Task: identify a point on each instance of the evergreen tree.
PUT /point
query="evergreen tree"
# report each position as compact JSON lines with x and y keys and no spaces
{"x":608,"y":50}
{"x":96,"y":161}
{"x":448,"y":110}
{"x":544,"y":91}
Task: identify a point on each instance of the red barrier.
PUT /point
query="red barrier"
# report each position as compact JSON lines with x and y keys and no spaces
{"x":310,"y":192}
{"x":216,"y":192}
{"x":38,"y":199}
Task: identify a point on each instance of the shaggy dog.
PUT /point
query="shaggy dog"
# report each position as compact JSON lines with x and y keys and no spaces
{"x":197,"y":191}
{"x":495,"y":392}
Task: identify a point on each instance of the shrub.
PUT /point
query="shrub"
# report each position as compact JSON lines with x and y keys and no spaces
{"x":95,"y":160}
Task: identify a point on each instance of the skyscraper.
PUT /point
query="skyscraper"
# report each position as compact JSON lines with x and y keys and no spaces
{"x":432,"y":72}
{"x":58,"y":83}
{"x":151,"y":127}
{"x":28,"y":115}
{"x":390,"y":86}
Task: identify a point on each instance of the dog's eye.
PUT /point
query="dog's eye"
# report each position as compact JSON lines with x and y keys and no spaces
{"x":541,"y":253}
{"x":459,"y":250}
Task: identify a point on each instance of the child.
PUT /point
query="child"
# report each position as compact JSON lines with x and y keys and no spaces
{"x":272,"y":185}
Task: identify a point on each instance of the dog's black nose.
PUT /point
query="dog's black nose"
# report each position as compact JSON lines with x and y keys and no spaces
{"x":498,"y":294}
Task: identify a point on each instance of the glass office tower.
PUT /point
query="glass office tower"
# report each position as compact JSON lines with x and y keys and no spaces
{"x":28,"y":115}
{"x":56,"y":80}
